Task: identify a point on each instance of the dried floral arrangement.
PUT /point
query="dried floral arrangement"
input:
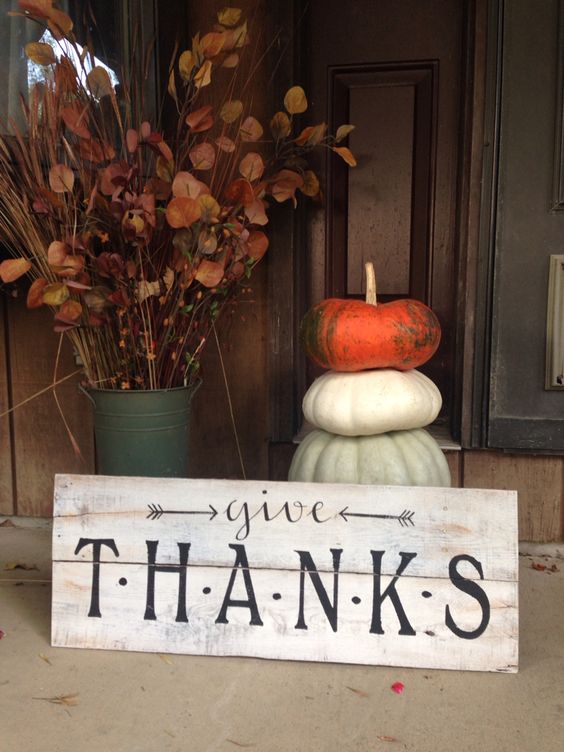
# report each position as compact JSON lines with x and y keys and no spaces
{"x":137,"y":244}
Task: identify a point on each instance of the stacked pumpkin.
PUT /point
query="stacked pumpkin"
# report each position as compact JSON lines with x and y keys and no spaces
{"x":371,"y":408}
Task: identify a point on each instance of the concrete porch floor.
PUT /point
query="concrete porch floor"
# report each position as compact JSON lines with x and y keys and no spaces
{"x":136,"y":702}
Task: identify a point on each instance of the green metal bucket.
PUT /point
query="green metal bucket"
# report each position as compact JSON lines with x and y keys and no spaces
{"x":142,"y":433}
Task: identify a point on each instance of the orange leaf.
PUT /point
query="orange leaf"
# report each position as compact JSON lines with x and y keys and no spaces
{"x":202,"y":156}
{"x":210,"y":208}
{"x":295,"y":100}
{"x":346,"y":154}
{"x":257,"y":243}
{"x":40,"y":53}
{"x":251,"y":129}
{"x":231,"y":61}
{"x":60,"y":25}
{"x":231,"y":111}
{"x":211,"y":44}
{"x":35,"y":293}
{"x":209,"y":273}
{"x":312,"y":135}
{"x":311,"y":184}
{"x":132,"y":140}
{"x":251,"y":166}
{"x":57,"y":253}
{"x":285,"y":184}
{"x":13,"y":269}
{"x":240,"y":191}
{"x":185,"y":184}
{"x":200,"y":120}
{"x":203,"y":76}
{"x":70,"y":311}
{"x":76,"y":120}
{"x":225,"y":144}
{"x":171,"y":86}
{"x":255,"y":212}
{"x":165,"y":169}
{"x":182,"y":212}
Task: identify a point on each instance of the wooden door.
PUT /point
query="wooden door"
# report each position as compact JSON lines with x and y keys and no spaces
{"x":394,"y":69}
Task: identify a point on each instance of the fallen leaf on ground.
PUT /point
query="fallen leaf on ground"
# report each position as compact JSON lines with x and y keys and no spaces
{"x":239,"y":744}
{"x":2,"y":634}
{"x":554,"y":568}
{"x":165,"y":659}
{"x":358,"y":692}
{"x":387,"y":739}
{"x":44,"y":658}
{"x":7,"y":523}
{"x":68,"y":700}
{"x":398,"y":687}
{"x":18,"y":565}
{"x":538,"y":567}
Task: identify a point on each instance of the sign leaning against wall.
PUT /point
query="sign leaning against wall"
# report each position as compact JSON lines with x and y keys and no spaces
{"x":423,"y":577}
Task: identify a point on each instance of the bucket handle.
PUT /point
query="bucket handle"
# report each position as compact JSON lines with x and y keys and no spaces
{"x":83,"y":390}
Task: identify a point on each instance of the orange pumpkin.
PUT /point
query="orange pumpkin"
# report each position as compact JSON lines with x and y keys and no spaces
{"x":353,"y":335}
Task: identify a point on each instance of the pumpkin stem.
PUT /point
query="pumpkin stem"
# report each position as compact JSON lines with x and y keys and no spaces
{"x":370,"y":283}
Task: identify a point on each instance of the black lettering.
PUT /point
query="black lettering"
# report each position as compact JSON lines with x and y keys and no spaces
{"x":241,"y":563}
{"x":473,"y":589}
{"x":330,"y":609}
{"x":153,"y":568}
{"x":96,"y":544}
{"x":315,"y":507}
{"x":246,"y":526}
{"x":390,"y":592}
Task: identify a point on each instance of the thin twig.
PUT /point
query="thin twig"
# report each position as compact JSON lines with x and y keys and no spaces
{"x":229,"y":403}
{"x":40,"y":392}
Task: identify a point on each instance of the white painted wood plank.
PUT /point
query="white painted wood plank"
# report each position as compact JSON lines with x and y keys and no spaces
{"x":122,"y":624}
{"x":446,"y":523}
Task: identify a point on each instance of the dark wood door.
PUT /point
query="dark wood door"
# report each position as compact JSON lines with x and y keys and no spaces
{"x":393,"y":68}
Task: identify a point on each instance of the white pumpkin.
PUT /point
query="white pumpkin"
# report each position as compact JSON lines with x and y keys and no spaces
{"x":397,"y":458}
{"x":365,"y":403}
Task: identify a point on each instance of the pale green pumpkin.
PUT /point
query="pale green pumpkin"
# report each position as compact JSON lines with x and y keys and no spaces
{"x":396,"y":458}
{"x":369,"y":402}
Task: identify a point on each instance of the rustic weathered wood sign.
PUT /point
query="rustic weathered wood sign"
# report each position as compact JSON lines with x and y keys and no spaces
{"x":353,"y":574}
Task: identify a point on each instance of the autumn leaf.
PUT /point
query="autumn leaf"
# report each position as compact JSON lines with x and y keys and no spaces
{"x":240,"y":191}
{"x":211,"y":44}
{"x":76,"y":120}
{"x":60,"y":24}
{"x":345,"y":154}
{"x":203,"y":76}
{"x":182,"y":212}
{"x":251,"y":166}
{"x":57,"y":253}
{"x":225,"y":144}
{"x":312,"y":135}
{"x":165,"y":169}
{"x":68,"y":700}
{"x":280,"y":126}
{"x":35,"y":293}
{"x":55,"y":294}
{"x":285,"y":184}
{"x":12,"y":269}
{"x":295,"y":100}
{"x":12,"y":565}
{"x":99,"y":82}
{"x":231,"y":111}
{"x":185,"y":184}
{"x":186,"y":65}
{"x":210,"y":209}
{"x":229,"y":16}
{"x":231,"y":61}
{"x":61,"y":178}
{"x":202,"y":156}
{"x":311,"y":184}
{"x":69,"y":312}
{"x":209,"y":273}
{"x":257,"y":244}
{"x":171,"y":86}
{"x":343,"y":131}
{"x":256,"y":213}
{"x":132,"y":140}
{"x":39,"y":8}
{"x":40,"y":53}
{"x":207,"y":242}
{"x":251,"y":129}
{"x":200,"y":120}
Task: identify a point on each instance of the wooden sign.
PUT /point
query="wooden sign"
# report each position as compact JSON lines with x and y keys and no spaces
{"x":352,"y":574}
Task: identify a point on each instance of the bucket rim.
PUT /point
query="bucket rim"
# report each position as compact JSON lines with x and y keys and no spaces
{"x":167,"y":390}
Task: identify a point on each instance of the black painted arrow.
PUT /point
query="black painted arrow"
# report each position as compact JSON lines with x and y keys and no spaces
{"x":404,"y":519}
{"x":156,"y":512}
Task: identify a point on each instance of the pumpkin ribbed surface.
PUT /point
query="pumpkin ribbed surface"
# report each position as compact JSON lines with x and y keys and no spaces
{"x":351,"y":335}
{"x":397,"y":458}
{"x":371,"y":402}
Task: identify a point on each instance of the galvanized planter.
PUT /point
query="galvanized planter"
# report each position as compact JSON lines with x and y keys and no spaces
{"x":142,"y":433}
